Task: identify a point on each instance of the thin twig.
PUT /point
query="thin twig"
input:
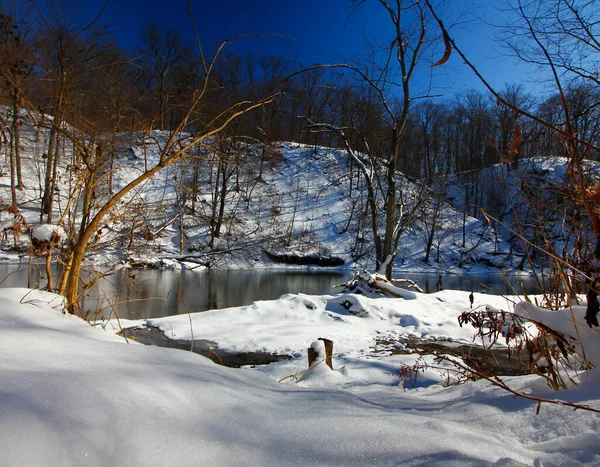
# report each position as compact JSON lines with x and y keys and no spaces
{"x":501,"y":384}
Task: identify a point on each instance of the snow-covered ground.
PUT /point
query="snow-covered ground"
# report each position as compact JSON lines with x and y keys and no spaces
{"x":73,"y":394}
{"x":369,"y":333}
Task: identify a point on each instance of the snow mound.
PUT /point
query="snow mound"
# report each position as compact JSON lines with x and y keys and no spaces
{"x":45,"y":233}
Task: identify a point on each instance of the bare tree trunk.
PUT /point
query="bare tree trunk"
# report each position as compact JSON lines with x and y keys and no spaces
{"x":51,"y":164}
{"x":181,"y":227}
{"x":431,"y":235}
{"x":50,"y":285}
{"x":262,"y":160}
{"x":16,"y":128}
{"x":215,"y":199}
{"x":14,"y":143}
{"x":46,"y":197}
{"x":195,"y":179}
{"x":222,"y":199}
{"x":389,"y":254}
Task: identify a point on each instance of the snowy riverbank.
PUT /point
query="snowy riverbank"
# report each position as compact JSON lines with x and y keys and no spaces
{"x":72,"y":394}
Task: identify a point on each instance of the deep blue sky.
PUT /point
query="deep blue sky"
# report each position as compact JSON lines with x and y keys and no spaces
{"x":325,"y":31}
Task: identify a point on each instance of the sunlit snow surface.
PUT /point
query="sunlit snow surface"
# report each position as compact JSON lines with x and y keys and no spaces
{"x":73,"y":394}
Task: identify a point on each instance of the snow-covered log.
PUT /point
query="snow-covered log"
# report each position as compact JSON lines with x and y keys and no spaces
{"x":569,"y":322}
{"x":368,"y":284}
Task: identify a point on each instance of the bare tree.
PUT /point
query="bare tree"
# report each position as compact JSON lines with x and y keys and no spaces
{"x":67,"y":48}
{"x":178,"y":146}
{"x":391,"y":85}
{"x":506,"y":119}
{"x":559,"y":36}
{"x":16,"y":68}
{"x":165,"y":56}
{"x":562,"y":37}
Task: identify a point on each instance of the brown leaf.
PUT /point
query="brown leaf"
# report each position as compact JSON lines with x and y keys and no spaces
{"x":513,"y":150}
{"x":447,"y":52}
{"x":593,"y":192}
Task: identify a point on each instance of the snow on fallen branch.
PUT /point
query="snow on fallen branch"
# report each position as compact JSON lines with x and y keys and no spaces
{"x":551,"y":354}
{"x":569,"y":322}
{"x":560,"y":343}
{"x":376,"y":284}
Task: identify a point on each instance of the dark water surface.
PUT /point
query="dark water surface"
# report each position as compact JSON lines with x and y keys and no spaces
{"x":135,"y":294}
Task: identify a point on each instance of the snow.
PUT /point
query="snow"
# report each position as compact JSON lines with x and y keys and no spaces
{"x":75,"y":394}
{"x":358,"y":325}
{"x":366,"y":331}
{"x":319,"y":347}
{"x":7,"y":223}
{"x":44,"y":232}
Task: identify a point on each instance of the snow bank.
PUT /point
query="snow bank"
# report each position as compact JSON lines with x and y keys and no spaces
{"x":370,"y":333}
{"x":72,"y":394}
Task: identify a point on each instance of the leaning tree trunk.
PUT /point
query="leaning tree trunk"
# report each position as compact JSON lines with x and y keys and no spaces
{"x":73,"y":272}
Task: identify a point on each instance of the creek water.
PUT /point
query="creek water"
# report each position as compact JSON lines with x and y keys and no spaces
{"x":135,"y":294}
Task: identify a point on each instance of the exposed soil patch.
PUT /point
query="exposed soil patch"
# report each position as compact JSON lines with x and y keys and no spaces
{"x":209,"y":349}
{"x":488,"y":361}
{"x":309,"y":259}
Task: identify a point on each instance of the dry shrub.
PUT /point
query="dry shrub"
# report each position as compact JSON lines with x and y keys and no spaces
{"x":593,"y":191}
{"x":19,"y":225}
{"x":273,"y":155}
{"x":408,"y":374}
{"x":550,"y":353}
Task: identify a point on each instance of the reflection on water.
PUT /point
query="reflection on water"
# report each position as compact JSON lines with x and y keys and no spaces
{"x":137,"y":294}
{"x":190,"y":291}
{"x":487,"y":283}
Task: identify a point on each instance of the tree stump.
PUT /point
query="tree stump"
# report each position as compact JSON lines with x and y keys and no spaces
{"x":313,"y":354}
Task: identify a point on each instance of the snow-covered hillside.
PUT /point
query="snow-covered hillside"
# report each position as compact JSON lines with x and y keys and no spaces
{"x":298,"y":204}
{"x":535,"y":197}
